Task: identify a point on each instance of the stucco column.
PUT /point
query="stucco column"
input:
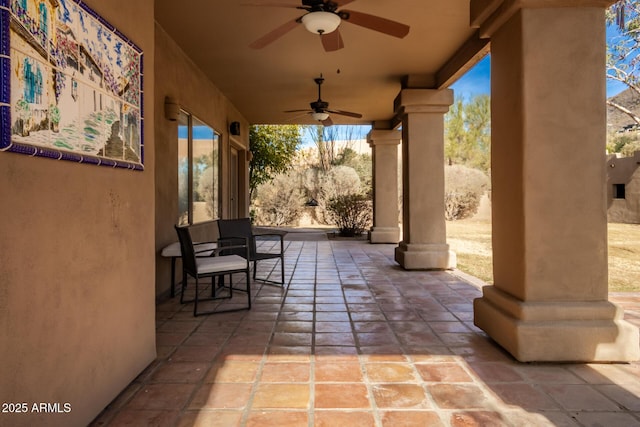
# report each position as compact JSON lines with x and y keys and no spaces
{"x":550,"y":297}
{"x":384,"y":149}
{"x":424,"y":244}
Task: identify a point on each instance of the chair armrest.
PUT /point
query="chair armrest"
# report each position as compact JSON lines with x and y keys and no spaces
{"x":204,"y":247}
{"x":233,"y":244}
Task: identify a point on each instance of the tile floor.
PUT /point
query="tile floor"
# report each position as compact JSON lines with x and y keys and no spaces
{"x":354,"y":340}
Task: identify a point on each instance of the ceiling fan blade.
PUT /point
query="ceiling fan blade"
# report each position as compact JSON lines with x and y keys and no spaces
{"x":327,"y":121}
{"x":274,"y":35}
{"x":346,"y":113}
{"x":377,"y":23}
{"x":298,"y":111}
{"x":257,"y":4}
{"x":332,"y":41}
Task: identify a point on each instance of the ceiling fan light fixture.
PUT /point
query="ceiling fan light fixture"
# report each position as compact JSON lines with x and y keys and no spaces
{"x":321,"y":22}
{"x":319,"y":116}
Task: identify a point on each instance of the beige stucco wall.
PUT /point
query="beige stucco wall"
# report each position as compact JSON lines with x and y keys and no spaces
{"x":177,"y":77}
{"x":77,"y":270}
{"x":624,"y":170}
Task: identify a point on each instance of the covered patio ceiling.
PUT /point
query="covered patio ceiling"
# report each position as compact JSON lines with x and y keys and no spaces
{"x":365,"y":76}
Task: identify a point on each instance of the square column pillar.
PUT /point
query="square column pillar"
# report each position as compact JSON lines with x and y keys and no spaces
{"x":424,"y":245}
{"x":550,"y":297}
{"x":384,"y":149}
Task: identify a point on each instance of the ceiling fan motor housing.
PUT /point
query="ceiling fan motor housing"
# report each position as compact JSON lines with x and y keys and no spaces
{"x":319,"y":105}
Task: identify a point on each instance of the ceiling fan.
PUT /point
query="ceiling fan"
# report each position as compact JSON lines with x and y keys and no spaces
{"x":324,"y":18}
{"x":320,"y":109}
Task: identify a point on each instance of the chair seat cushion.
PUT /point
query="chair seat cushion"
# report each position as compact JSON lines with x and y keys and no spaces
{"x":220,"y":263}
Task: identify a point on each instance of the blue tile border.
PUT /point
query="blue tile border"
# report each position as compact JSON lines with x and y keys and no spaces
{"x":7,"y":145}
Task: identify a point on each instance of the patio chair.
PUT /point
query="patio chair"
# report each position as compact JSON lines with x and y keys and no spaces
{"x":214,"y":266}
{"x":241,"y":227}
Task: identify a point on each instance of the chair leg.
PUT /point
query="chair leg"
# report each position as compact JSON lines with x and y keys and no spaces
{"x":195,"y":300}
{"x":248,"y":289}
{"x":182,"y":288}
{"x":282,"y":268}
{"x":255,"y":268}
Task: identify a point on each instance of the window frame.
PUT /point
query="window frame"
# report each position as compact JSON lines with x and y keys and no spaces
{"x":191,"y":185}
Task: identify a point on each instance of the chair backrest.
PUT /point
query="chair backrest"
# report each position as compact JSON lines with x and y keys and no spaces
{"x":187,"y":251}
{"x":239,"y":227}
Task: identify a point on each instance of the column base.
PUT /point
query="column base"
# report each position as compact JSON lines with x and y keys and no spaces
{"x":384,"y":234}
{"x":425,"y":256}
{"x":563,"y":331}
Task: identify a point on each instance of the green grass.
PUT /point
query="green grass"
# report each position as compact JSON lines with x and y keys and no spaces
{"x":471,"y":240}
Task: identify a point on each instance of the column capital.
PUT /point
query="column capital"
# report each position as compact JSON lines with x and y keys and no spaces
{"x":423,"y":101}
{"x":384,"y":137}
{"x":490,"y":15}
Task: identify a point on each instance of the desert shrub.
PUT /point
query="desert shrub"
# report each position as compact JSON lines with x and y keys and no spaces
{"x":352,"y":213}
{"x":322,"y":186}
{"x":464,"y":188}
{"x":279,"y":201}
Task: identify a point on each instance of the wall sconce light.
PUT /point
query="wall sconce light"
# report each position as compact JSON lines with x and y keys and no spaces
{"x":234,"y":128}
{"x":171,"y":109}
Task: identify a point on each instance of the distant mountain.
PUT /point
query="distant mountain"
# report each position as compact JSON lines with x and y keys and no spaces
{"x":616,"y":119}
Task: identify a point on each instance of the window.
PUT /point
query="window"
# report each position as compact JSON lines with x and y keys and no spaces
{"x":198,"y":171}
{"x":44,"y":21}
{"x":618,"y":191}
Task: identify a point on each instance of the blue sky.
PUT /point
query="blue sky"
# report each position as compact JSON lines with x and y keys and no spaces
{"x":477,"y":79}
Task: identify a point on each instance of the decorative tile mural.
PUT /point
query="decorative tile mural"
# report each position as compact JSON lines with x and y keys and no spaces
{"x":71,"y":85}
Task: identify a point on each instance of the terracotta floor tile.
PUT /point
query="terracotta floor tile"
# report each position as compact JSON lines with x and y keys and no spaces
{"x":207,"y":418}
{"x":525,"y":396}
{"x":381,"y":346}
{"x":161,"y":397}
{"x":294,"y":326}
{"x":171,"y":338}
{"x":333,"y":327}
{"x":346,"y":395}
{"x":180,"y":372}
{"x":206,"y":339}
{"x":195,"y":353}
{"x":286,"y":372}
{"x":578,"y":397}
{"x":541,"y":374}
{"x":443,"y":372}
{"x":458,"y":396}
{"x":291,"y":339}
{"x":376,"y":339}
{"x":390,"y":372}
{"x":305,"y":316}
{"x":232,"y":371}
{"x":277,"y":419}
{"x":478,"y":418}
{"x":609,"y":419}
{"x":343,"y":419}
{"x":292,"y":396}
{"x":335,"y":339}
{"x":221,"y":396}
{"x":400,"y":396}
{"x":144,"y":418}
{"x":289,"y":354}
{"x":411,"y":419}
{"x":330,"y":371}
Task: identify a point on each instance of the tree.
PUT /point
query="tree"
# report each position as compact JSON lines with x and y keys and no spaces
{"x":273,"y":148}
{"x":623,"y":52}
{"x":468,"y":133}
